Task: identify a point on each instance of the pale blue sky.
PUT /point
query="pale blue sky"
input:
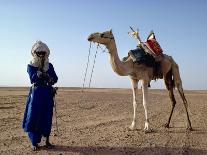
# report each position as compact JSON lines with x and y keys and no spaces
{"x":64,"y":25}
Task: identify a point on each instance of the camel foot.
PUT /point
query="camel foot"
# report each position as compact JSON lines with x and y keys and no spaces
{"x":148,"y":131}
{"x":166,"y":125}
{"x":131,"y":128}
{"x":189,"y":128}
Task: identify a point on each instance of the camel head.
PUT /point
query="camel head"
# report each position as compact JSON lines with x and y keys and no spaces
{"x":102,"y":38}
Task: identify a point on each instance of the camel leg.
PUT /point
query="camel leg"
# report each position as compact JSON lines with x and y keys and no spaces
{"x":180,"y":90}
{"x":134,"y":90}
{"x":173,"y":101}
{"x":178,"y":83}
{"x":145,"y":101}
{"x":169,"y":85}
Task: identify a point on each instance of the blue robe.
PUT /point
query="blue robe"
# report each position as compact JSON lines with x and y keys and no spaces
{"x":38,"y":113}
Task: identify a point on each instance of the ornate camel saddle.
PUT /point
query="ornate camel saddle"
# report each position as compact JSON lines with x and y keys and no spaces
{"x":149,"y":53}
{"x":139,"y":56}
{"x":153,"y":46}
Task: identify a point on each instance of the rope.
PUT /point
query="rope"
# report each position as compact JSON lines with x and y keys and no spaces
{"x":103,"y":50}
{"x":84,"y":80}
{"x":94,"y":61}
{"x":87,"y":65}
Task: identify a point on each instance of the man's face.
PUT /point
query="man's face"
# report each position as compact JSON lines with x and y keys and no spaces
{"x":41,"y":54}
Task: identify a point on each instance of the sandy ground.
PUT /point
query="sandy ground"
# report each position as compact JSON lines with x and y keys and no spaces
{"x":97,"y":121}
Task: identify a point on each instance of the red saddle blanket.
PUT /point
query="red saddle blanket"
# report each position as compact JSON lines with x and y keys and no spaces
{"x":154,"y":46}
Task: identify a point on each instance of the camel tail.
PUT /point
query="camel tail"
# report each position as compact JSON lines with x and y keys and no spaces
{"x":176,"y":75}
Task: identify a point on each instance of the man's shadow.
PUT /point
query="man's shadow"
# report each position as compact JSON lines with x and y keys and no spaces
{"x":103,"y":150}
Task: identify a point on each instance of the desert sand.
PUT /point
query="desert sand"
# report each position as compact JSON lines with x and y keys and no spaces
{"x":96,"y":122}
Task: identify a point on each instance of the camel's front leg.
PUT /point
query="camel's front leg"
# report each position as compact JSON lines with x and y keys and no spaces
{"x":145,"y":102}
{"x":134,"y":90}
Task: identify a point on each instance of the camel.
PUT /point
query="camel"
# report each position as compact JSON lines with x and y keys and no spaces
{"x":143,"y":73}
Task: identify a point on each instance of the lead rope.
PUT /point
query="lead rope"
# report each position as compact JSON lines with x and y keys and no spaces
{"x":86,"y":70}
{"x":84,"y":80}
{"x":87,"y":64}
{"x":94,"y":61}
{"x":82,"y":96}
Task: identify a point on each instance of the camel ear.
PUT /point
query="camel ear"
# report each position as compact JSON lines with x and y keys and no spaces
{"x":110,"y":31}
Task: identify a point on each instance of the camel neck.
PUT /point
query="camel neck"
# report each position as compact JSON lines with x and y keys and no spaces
{"x":117,"y":65}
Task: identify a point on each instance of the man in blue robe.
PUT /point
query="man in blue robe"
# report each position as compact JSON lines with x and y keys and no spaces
{"x":37,"y":121}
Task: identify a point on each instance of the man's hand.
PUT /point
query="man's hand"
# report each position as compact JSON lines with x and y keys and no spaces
{"x":39,"y":74}
{"x":42,"y":74}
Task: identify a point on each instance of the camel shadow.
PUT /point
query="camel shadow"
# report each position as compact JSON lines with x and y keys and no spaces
{"x":195,"y":130}
{"x":102,"y":150}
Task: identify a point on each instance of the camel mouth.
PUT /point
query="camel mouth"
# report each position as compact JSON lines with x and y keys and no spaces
{"x":90,"y":38}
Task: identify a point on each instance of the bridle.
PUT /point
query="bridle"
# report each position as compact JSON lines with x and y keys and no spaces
{"x":111,"y":38}
{"x":103,"y":36}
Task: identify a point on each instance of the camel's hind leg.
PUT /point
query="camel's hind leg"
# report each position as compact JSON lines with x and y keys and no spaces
{"x":169,"y":85}
{"x":178,"y":84}
{"x":181,"y":92}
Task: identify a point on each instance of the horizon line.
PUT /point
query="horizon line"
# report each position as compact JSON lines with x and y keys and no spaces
{"x":5,"y":86}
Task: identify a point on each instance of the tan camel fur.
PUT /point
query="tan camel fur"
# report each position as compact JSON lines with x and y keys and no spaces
{"x":140,"y":72}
